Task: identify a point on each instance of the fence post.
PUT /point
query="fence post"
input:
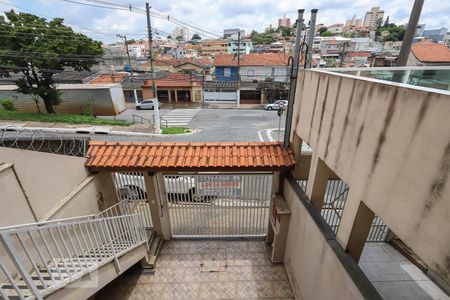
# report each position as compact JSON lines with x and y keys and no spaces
{"x":12,"y":252}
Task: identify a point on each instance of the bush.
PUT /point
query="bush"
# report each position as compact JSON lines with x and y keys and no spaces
{"x":87,"y":110}
{"x":7,"y":105}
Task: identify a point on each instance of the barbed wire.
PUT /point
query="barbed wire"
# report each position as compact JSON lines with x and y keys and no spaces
{"x":38,"y":140}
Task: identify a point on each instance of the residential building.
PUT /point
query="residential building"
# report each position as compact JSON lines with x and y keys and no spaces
{"x":228,"y":33}
{"x":214,"y":47}
{"x":246,"y":46}
{"x":373,"y":18}
{"x":252,"y":67}
{"x":331,"y":47}
{"x":354,"y":21}
{"x":138,"y":49}
{"x":357,"y":59}
{"x":174,"y":88}
{"x":278,"y":47}
{"x":436,"y":35}
{"x":336,"y":29}
{"x":182,"y":32}
{"x":419,"y":30}
{"x":429,"y":54}
{"x":284,"y":22}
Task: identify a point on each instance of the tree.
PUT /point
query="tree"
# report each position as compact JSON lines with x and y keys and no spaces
{"x":253,"y":33}
{"x":38,"y":49}
{"x":326,"y":33}
{"x":285,"y":31}
{"x":169,"y":37}
{"x":386,"y":23}
{"x":322,"y":30}
{"x":273,"y":90}
{"x":196,"y":37}
{"x":179,"y":38}
{"x":132,"y":41}
{"x":266,"y":37}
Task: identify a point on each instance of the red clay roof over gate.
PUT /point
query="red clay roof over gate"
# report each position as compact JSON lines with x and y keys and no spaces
{"x":189,"y":156}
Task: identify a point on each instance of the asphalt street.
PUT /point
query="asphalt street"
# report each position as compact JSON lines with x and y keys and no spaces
{"x":213,"y":125}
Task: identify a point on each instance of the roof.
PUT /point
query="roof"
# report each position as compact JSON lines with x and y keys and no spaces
{"x":264,"y":59}
{"x":431,"y":52}
{"x":221,"y":85}
{"x":358,"y":54}
{"x":175,"y":80}
{"x":109,"y":78}
{"x":189,"y":156}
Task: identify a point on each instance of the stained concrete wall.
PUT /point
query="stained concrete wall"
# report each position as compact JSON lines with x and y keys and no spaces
{"x":314,"y":269}
{"x":57,"y":186}
{"x":391,"y":145}
{"x":101,"y":100}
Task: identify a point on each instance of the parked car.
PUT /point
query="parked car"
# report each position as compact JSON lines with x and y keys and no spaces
{"x":147,"y":104}
{"x":179,"y":188}
{"x":275,"y":105}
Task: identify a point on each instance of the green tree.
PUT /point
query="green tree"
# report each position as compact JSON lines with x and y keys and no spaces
{"x":38,"y":49}
{"x":326,"y":33}
{"x":273,"y":90}
{"x":132,"y":41}
{"x":322,"y":30}
{"x":169,"y":37}
{"x":266,"y":37}
{"x":286,"y":31}
{"x":196,"y":37}
{"x":179,"y":38}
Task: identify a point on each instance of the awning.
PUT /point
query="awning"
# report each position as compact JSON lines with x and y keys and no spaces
{"x":189,"y":156}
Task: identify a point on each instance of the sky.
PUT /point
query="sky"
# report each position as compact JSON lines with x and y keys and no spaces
{"x":216,"y":15}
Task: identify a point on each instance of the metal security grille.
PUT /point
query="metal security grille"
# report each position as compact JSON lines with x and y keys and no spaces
{"x":333,"y":208}
{"x":218,"y":205}
{"x":130,"y":189}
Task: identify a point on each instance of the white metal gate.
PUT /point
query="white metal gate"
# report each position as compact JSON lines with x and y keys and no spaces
{"x":218,"y":205}
{"x":130,"y":187}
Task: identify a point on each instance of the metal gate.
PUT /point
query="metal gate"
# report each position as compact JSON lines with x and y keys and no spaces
{"x":218,"y":205}
{"x":130,"y":187}
{"x":333,"y":208}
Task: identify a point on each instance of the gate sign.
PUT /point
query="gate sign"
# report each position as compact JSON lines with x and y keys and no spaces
{"x":220,"y":185}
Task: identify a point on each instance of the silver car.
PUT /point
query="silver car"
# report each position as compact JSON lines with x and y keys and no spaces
{"x":147,"y":104}
{"x":276,"y":105}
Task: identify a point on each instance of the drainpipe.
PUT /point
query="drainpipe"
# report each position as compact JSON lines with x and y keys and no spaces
{"x":293,"y":81}
{"x":310,"y":42}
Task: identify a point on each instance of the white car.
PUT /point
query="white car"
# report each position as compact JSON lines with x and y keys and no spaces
{"x":147,"y":104}
{"x":276,"y":105}
{"x":178,"y":188}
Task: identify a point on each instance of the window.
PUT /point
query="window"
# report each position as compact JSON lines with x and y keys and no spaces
{"x":227,"y":72}
{"x":274,"y":72}
{"x":251,"y":72}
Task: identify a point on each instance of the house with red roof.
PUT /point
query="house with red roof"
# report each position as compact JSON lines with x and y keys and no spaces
{"x":429,"y":54}
{"x":174,"y":88}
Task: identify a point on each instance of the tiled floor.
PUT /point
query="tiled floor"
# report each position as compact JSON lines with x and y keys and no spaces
{"x":394,"y":276}
{"x":205,"y":270}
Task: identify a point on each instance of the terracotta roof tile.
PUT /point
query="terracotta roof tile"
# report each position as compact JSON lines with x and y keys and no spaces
{"x":265,"y":59}
{"x":431,"y":52}
{"x":198,"y":156}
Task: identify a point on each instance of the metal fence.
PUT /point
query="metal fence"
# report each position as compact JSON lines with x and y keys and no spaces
{"x":218,"y":205}
{"x":43,"y":257}
{"x":333,"y":208}
{"x":131,"y":195}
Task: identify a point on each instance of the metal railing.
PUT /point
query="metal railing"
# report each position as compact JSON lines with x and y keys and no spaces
{"x":137,"y":119}
{"x":125,"y":207}
{"x":218,"y":205}
{"x":44,"y":257}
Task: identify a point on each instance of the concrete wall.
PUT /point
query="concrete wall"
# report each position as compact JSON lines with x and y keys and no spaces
{"x":311,"y":258}
{"x":391,"y":145}
{"x":263,"y":72}
{"x":101,"y":100}
{"x":54,"y":186}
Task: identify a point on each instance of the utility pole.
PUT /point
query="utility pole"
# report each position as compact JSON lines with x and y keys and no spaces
{"x":239,"y":69}
{"x":293,"y":80}
{"x":124,"y":38}
{"x":310,"y":42}
{"x":344,"y":45}
{"x":409,"y":34}
{"x":155,"y":92}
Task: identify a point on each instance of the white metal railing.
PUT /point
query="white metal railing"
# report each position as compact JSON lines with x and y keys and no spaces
{"x":141,"y":207}
{"x":44,"y":257}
